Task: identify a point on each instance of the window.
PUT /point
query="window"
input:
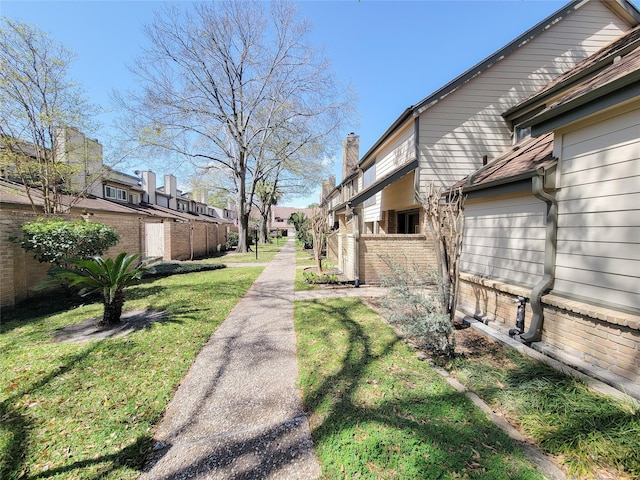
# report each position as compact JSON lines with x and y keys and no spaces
{"x":134,"y":198}
{"x":109,"y":192}
{"x":521,"y":133}
{"x":368,"y":177}
{"x":182,"y":207}
{"x":409,"y":222}
{"x":115,"y":193}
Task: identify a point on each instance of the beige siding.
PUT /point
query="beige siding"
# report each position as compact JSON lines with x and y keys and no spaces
{"x":457,"y":131}
{"x":394,"y":154}
{"x":504,"y":238}
{"x":399,"y":195}
{"x":599,"y":212}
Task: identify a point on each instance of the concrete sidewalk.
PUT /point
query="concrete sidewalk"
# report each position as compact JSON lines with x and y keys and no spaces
{"x":237,"y":413}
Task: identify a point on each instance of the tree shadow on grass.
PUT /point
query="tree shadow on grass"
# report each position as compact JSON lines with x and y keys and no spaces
{"x":445,"y":432}
{"x":17,"y":425}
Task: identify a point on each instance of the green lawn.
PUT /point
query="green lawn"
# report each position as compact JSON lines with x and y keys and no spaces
{"x":265,"y":254}
{"x":594,"y":435}
{"x":377,"y":412}
{"x":88,"y":410}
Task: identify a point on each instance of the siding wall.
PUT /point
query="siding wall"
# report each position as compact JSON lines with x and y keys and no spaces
{"x":599,"y":212}
{"x":392,"y":155}
{"x":505,"y":238}
{"x":458,"y":130}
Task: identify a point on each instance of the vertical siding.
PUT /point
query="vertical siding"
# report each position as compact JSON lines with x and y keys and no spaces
{"x":505,"y":238}
{"x":458,"y":130}
{"x":599,"y":212}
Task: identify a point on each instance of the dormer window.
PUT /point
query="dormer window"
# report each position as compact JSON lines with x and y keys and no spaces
{"x":521,"y":133}
{"x":115,"y":193}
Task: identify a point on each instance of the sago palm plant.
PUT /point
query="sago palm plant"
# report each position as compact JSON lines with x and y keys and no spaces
{"x":106,"y":276}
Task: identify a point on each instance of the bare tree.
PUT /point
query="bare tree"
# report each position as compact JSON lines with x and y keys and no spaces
{"x":319,"y":228}
{"x":37,"y":99}
{"x":443,"y":211}
{"x":221,"y":79}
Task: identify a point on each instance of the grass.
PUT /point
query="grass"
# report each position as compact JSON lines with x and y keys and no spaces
{"x":378,"y":412}
{"x":265,"y":254}
{"x":88,"y":410}
{"x":594,"y":436}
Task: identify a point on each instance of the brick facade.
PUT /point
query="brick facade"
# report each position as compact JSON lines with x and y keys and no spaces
{"x":605,"y":338}
{"x":408,"y":250}
{"x":20,"y":272}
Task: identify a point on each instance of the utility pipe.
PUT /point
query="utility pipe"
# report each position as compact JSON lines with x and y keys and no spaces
{"x":356,"y":237}
{"x":534,"y":334}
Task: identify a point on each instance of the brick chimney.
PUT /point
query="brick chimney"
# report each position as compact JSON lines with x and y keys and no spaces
{"x":171,"y":188}
{"x":149,"y":187}
{"x":327,"y":186}
{"x":350,"y":154}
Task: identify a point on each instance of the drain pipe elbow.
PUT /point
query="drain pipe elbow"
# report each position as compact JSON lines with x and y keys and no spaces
{"x":534,"y":334}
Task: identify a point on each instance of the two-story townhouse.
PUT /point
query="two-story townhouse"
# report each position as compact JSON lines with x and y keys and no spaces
{"x":555,"y":220}
{"x":449,"y":133}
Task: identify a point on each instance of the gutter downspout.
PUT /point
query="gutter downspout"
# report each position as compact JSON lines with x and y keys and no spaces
{"x":356,"y":248}
{"x":534,"y":334}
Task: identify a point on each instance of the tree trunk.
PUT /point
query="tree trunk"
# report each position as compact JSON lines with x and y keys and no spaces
{"x":264,"y":230}
{"x":113,"y":310}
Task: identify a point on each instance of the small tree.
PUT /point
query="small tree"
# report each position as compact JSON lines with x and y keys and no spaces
{"x":443,"y":211}
{"x":301,"y":223}
{"x":107,"y":277}
{"x":37,"y":98}
{"x":55,"y":240}
{"x":319,"y":229}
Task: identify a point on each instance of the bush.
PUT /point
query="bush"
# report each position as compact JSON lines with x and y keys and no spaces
{"x":165,"y":269}
{"x":415,"y":306}
{"x":232,"y":240}
{"x":55,"y":240}
{"x":315,"y":278}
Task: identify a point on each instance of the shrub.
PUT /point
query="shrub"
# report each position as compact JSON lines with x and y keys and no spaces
{"x":107,"y":277}
{"x":315,"y":278}
{"x":55,"y":240}
{"x":165,"y":269}
{"x":415,"y":306}
{"x":232,"y":240}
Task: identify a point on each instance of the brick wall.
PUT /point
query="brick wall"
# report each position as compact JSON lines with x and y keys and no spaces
{"x":20,"y":273}
{"x":599,"y":336}
{"x":130,"y":230}
{"x":408,"y":250}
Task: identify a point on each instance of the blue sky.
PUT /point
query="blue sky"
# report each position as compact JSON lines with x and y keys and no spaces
{"x":393,"y":53}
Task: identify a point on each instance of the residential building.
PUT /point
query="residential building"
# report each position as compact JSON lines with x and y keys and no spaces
{"x":376,"y":210}
{"x":555,"y":220}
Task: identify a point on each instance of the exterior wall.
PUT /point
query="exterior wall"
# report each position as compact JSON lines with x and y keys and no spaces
{"x":130,"y":230}
{"x":408,"y":250}
{"x":576,"y":332}
{"x":19,"y":271}
{"x":392,"y":155}
{"x":332,"y":247}
{"x":458,"y":130}
{"x":504,"y":238}
{"x":598,"y":254}
{"x":85,"y":156}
